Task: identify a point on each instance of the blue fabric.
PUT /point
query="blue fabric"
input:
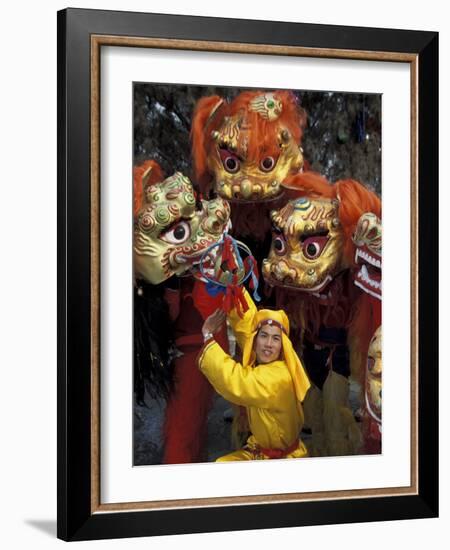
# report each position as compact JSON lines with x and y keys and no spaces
{"x":214,"y":290}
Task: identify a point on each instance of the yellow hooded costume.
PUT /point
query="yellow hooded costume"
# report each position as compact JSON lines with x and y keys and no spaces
{"x":272,"y":392}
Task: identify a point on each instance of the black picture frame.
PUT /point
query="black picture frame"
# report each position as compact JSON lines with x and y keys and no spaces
{"x":77,"y":517}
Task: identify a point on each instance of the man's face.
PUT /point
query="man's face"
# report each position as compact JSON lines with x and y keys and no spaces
{"x":268,"y":344}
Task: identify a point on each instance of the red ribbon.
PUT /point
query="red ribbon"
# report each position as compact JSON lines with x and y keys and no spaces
{"x":234,"y":298}
{"x":228,"y":258}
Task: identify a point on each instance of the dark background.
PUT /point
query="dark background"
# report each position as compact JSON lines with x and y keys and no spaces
{"x":342,"y":138}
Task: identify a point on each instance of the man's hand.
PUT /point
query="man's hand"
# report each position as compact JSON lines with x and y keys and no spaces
{"x":214,"y":322}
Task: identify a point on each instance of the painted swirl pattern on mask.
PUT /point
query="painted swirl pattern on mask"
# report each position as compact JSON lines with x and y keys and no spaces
{"x":172,"y":229}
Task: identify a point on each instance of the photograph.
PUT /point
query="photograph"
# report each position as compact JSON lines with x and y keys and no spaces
{"x":257,"y":261}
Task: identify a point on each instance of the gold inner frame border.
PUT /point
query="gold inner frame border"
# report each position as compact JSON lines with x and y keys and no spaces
{"x":97,"y":41}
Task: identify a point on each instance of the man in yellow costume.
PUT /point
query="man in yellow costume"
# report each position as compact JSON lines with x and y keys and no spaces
{"x":270,"y":383}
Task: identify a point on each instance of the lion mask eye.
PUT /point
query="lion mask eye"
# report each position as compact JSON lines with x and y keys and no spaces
{"x":267,"y":164}
{"x":313,"y":246}
{"x":177,"y":234}
{"x":278,"y":242}
{"x":230,"y":162}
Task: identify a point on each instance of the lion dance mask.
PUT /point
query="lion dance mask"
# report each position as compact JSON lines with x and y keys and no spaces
{"x":312,"y":266}
{"x":244,"y":150}
{"x":171,"y":228}
{"x":368,"y":277}
{"x":307,"y":245}
{"x":367,"y":240}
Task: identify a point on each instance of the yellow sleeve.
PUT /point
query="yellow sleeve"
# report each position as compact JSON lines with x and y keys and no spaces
{"x":259,"y":387}
{"x":242,"y":327}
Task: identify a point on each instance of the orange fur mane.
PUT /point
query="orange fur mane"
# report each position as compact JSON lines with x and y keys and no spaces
{"x":354,"y":200}
{"x":262,"y":136}
{"x":140,"y":180}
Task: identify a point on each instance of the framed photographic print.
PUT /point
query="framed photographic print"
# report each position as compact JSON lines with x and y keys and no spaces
{"x":247,"y":252}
